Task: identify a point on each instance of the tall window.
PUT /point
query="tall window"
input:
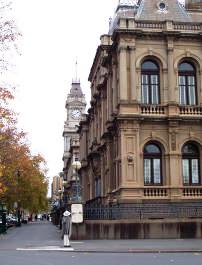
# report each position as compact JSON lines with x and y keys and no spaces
{"x":150,"y":83}
{"x":152,"y":165}
{"x":187,"y":84}
{"x":98,"y":187}
{"x":190,"y":164}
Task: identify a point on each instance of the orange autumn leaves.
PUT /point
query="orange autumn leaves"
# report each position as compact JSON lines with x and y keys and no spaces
{"x":22,"y":175}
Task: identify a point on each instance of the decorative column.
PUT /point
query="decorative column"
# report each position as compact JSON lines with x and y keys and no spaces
{"x":133,"y":73}
{"x":175,"y":180}
{"x":114,"y":85}
{"x":109,"y":95}
{"x":123,"y":85}
{"x":200,"y":93}
{"x":171,"y":74}
{"x":173,"y":109}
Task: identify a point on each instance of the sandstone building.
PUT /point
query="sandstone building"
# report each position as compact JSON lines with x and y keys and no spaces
{"x":56,"y":187}
{"x":75,"y":108}
{"x":141,"y":142}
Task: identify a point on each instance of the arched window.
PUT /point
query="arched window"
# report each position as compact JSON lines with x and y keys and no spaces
{"x":190,"y":164}
{"x":187,"y":84}
{"x":152,"y":165}
{"x":150,"y":82}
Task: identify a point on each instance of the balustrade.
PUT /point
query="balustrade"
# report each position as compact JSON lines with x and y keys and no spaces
{"x":192,"y":192}
{"x":131,"y":23}
{"x":182,"y":26}
{"x":155,"y":192}
{"x":190,"y":110}
{"x":153,"y":109}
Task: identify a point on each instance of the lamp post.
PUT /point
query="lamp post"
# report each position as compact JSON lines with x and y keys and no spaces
{"x":64,"y":194}
{"x":60,"y":208}
{"x":76,"y":207}
{"x":18,"y":202}
{"x":76,"y":166}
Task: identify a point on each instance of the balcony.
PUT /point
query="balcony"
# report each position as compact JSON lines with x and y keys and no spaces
{"x":156,"y":192}
{"x":190,"y":192}
{"x":164,"y":111}
{"x":166,"y":193}
{"x":190,"y":110}
{"x":153,"y":109}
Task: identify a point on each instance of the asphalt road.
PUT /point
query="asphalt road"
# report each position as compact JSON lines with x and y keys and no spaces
{"x":71,"y":258}
{"x":40,"y":235}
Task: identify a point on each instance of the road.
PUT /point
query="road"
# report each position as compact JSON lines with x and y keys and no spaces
{"x":27,"y":245}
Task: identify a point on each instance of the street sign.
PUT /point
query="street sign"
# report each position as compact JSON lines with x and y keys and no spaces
{"x":77,"y":213}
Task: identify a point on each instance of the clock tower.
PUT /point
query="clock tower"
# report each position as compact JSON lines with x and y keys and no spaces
{"x":75,"y":107}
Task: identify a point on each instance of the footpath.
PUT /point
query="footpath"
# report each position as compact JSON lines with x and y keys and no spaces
{"x":139,"y":246}
{"x":43,"y":236}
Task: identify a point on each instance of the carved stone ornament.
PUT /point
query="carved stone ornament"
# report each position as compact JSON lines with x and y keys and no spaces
{"x":130,"y":158}
{"x":96,"y":164}
{"x":103,"y":75}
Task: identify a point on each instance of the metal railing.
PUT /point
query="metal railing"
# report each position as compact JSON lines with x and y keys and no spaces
{"x":144,"y":211}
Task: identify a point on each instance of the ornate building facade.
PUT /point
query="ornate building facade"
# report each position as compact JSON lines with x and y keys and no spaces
{"x":141,"y":143}
{"x":75,"y":107}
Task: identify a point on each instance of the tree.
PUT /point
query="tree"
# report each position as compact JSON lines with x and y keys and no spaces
{"x":22,"y":175}
{"x":9,"y":35}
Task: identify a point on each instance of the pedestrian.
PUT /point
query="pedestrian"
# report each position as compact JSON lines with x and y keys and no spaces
{"x":66,"y":227}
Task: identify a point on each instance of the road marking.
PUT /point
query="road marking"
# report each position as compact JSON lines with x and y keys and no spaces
{"x":46,"y":248}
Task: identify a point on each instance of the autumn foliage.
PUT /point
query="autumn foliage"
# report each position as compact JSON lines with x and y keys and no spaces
{"x":22,"y":175}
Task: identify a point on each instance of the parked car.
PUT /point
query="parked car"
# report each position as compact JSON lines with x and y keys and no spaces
{"x":11,"y":220}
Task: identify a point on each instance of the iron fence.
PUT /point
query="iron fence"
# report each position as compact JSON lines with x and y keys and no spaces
{"x":143,"y":211}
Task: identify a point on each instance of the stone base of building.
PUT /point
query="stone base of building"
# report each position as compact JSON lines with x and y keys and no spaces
{"x":149,"y":229}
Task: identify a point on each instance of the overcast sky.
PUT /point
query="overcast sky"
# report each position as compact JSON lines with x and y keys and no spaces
{"x":55,"y":33}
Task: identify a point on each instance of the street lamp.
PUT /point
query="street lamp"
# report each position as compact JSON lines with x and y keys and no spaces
{"x":76,"y":165}
{"x":60,"y":208}
{"x":60,"y":197}
{"x":18,"y":202}
{"x":64,"y":183}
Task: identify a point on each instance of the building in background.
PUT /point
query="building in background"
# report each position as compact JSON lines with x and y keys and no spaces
{"x":56,"y":187}
{"x":141,"y":143}
{"x":75,"y":108}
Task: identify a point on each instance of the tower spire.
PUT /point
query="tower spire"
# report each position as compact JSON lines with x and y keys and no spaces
{"x":76,"y":68}
{"x":76,"y":79}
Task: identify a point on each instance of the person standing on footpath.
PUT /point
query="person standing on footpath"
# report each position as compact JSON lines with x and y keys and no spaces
{"x":66,"y":227}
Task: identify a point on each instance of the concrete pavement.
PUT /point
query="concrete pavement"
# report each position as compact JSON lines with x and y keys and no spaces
{"x":140,"y":246}
{"x":46,"y":237}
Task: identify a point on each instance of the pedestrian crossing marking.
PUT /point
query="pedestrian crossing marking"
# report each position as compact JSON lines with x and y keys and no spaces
{"x":46,"y":248}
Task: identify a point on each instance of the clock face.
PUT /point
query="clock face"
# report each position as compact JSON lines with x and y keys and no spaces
{"x":76,"y":113}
